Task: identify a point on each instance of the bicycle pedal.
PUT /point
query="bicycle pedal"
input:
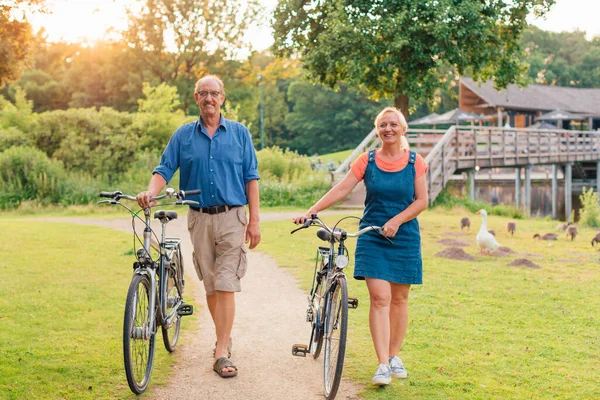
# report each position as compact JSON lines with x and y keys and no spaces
{"x":185,"y":309}
{"x":352,"y":302}
{"x":300,"y":350}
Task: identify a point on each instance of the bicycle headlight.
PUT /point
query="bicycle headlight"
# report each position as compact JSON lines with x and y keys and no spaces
{"x":141,"y":254}
{"x":341,"y":261}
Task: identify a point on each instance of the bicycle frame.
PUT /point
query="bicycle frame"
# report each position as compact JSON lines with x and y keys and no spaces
{"x":330,"y":274}
{"x":166,"y":250}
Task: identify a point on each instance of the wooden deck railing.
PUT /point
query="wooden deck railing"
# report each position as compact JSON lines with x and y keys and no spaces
{"x":464,"y":147}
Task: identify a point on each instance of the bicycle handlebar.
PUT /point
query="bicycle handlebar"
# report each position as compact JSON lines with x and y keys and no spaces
{"x":169,"y":193}
{"x":326,"y":232}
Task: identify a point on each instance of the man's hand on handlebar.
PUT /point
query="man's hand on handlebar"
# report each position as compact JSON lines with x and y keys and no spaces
{"x":143,"y":199}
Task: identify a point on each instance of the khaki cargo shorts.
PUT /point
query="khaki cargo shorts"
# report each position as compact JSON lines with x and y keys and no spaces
{"x":219,"y":248}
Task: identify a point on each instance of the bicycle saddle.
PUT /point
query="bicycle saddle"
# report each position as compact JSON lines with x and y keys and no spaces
{"x":162,"y":214}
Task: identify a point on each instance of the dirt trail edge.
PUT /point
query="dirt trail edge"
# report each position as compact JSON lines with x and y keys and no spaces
{"x":270,"y":314}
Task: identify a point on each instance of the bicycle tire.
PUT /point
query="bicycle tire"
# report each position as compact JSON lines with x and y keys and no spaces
{"x":173,"y":293}
{"x":138,"y":336}
{"x":336,"y":329}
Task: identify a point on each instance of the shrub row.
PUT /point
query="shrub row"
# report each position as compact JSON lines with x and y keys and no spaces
{"x":28,"y":175}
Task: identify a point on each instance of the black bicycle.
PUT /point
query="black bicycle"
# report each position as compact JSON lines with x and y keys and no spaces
{"x":328,"y":301}
{"x":155,"y":296}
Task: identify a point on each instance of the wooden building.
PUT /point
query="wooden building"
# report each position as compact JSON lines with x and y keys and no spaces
{"x":520,"y":107}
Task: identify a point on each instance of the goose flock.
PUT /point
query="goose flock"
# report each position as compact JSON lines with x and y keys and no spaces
{"x":487,"y":243}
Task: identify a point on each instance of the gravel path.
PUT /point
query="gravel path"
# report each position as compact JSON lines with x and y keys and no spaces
{"x":270,"y":314}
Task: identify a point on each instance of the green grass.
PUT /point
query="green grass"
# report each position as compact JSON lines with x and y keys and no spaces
{"x":482,"y":329}
{"x":478,"y":330}
{"x":338,"y":157}
{"x":62,"y":297}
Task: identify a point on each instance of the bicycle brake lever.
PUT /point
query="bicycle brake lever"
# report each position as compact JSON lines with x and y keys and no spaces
{"x":107,"y":201}
{"x":380,"y":231}
{"x":307,"y":223}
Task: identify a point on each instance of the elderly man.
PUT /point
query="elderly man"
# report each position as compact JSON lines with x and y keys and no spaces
{"x":215,"y":155}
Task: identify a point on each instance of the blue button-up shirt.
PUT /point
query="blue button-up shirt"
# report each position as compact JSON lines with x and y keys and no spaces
{"x":219,"y":166}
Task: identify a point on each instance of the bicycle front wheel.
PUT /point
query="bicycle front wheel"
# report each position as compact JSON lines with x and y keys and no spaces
{"x":138,"y":335}
{"x":173,"y":294}
{"x":336,"y":327}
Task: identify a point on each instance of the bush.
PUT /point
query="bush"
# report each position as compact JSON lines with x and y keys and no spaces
{"x":300,"y":194}
{"x":136,"y":178}
{"x":27,"y":174}
{"x":448,"y":201}
{"x":282,"y":165}
{"x":95,"y":142}
{"x":288,"y":180}
{"x":157,"y":117}
{"x":12,"y":137}
{"x":589,"y":215}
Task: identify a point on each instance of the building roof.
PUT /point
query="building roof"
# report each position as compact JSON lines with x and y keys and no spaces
{"x":426,"y":120}
{"x":559,"y":115}
{"x":538,"y":97}
{"x":456,"y":115}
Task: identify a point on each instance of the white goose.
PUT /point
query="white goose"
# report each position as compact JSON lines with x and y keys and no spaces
{"x":486,"y":241}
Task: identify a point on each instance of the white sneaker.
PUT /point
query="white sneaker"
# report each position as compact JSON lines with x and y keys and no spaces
{"x":383,"y":375}
{"x":397,"y":367}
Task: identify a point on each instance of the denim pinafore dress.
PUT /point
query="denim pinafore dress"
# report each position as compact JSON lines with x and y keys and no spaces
{"x":388,"y":194}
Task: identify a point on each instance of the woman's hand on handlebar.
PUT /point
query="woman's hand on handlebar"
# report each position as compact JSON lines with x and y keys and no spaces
{"x":391,"y":227}
{"x":143,"y":199}
{"x":300,"y":220}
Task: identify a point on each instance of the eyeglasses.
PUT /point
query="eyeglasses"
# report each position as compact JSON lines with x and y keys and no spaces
{"x":204,"y":93}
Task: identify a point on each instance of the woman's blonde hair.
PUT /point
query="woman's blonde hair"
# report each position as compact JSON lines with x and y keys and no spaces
{"x":403,"y":123}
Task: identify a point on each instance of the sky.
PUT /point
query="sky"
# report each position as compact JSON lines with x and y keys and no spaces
{"x":88,"y":20}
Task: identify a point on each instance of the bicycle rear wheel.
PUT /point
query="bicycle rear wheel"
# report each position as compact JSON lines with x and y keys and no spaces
{"x":172,"y":295}
{"x":336,"y":327}
{"x":138,"y":335}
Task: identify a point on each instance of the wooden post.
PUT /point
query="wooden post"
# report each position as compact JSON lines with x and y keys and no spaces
{"x":528,"y":190}
{"x":443,"y":167}
{"x":554,"y":191}
{"x":500,"y":117}
{"x":429,"y":184}
{"x":471,"y":175}
{"x":568,"y":191}
{"x":598,"y":179}
{"x":518,"y":189}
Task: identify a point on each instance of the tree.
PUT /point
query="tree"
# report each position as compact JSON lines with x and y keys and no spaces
{"x":15,"y":37}
{"x":324,"y":121}
{"x":204,"y":32}
{"x":562,"y":59}
{"x":398,"y":49}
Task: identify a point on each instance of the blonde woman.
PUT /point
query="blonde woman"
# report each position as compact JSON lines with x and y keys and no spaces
{"x":394,"y":178}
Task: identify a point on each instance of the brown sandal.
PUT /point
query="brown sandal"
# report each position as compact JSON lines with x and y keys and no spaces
{"x":222,"y":363}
